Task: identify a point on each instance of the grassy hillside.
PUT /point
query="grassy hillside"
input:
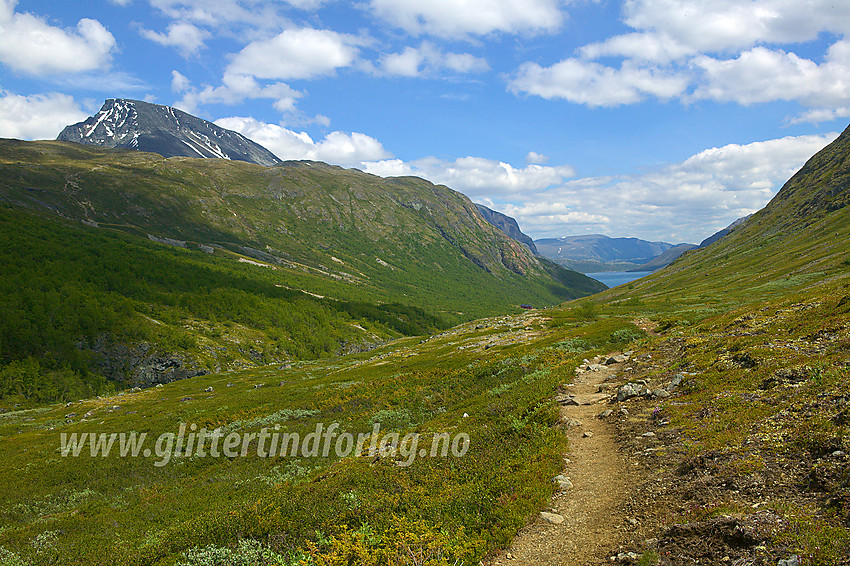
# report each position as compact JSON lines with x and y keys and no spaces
{"x":138,"y":269}
{"x":747,"y":461}
{"x":384,"y":239}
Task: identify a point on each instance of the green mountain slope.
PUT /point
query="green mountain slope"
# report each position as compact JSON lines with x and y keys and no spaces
{"x":184,"y":266}
{"x":799,"y":239}
{"x":390,"y":238}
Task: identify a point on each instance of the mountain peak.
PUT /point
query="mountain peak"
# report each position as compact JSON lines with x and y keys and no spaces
{"x":144,"y":126}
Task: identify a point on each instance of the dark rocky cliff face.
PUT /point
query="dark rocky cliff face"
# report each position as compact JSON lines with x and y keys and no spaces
{"x":507,"y":225}
{"x":132,"y":124}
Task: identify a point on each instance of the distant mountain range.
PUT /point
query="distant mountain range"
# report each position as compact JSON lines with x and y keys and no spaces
{"x":595,"y":252}
{"x":133,"y":124}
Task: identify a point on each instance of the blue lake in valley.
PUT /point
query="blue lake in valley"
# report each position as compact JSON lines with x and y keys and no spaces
{"x":614,"y":278}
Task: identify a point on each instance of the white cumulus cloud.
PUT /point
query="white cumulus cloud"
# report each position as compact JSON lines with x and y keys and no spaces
{"x":338,"y":148}
{"x":763,"y":75}
{"x":234,"y":90}
{"x":640,"y":46}
{"x":724,"y":50}
{"x":37,"y":116}
{"x":179,"y":82}
{"x":298,"y":53}
{"x":536,"y":158}
{"x":29,"y":45}
{"x":476,"y":176}
{"x":429,"y":59}
{"x":187,"y":38}
{"x":452,"y":19}
{"x":722,"y":25}
{"x":593,"y":84}
{"x":685,"y":202}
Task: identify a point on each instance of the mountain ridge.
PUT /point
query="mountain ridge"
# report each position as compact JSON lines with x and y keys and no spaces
{"x":367,"y":257}
{"x":508,"y":225}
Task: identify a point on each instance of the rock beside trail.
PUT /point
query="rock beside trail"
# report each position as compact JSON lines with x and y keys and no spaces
{"x":566,"y":399}
{"x":616,"y":359}
{"x":563,"y":482}
{"x":630,"y":390}
{"x":552,"y":518}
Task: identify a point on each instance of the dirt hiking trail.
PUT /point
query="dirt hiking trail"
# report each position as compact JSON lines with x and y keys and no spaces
{"x":582,"y":522}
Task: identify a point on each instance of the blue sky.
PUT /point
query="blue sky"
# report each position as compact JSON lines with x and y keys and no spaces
{"x":661,"y":119}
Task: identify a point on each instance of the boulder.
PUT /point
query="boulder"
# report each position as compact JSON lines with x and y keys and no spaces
{"x":566,"y":399}
{"x":552,"y":518}
{"x":616,"y":359}
{"x":628,"y":391}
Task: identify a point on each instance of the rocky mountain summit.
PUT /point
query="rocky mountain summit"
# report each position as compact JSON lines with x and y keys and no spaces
{"x":133,"y":124}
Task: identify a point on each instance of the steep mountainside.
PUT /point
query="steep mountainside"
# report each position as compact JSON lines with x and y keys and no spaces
{"x":395,"y":236}
{"x":133,"y":124}
{"x":800,"y":235}
{"x":507,"y":225}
